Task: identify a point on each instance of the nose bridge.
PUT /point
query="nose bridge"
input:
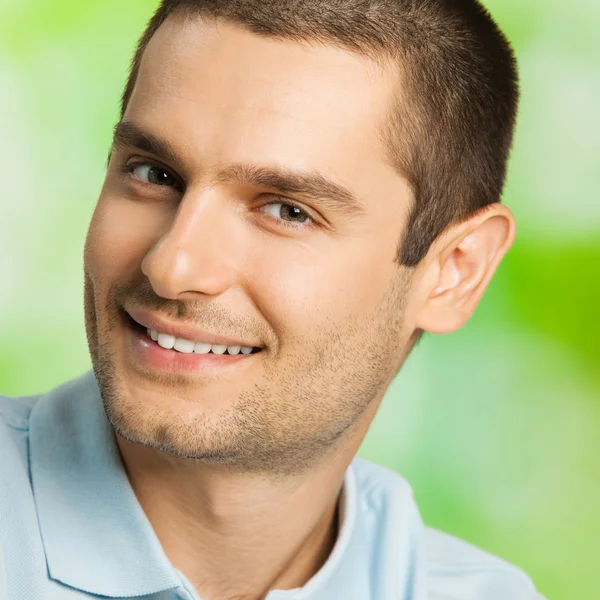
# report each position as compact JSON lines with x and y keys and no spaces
{"x":197,"y":251}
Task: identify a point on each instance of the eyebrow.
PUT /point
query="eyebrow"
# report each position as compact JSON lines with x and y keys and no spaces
{"x":307,"y":185}
{"x":126,"y":134}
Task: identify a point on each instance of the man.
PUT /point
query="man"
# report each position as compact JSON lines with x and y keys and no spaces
{"x":295,"y":193}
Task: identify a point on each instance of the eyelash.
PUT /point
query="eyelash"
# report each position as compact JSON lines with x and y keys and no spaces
{"x":129,"y":167}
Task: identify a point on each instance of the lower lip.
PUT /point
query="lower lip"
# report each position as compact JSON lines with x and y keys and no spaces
{"x":148,"y":353}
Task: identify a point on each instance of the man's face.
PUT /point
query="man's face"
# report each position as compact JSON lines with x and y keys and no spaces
{"x":316,"y":288}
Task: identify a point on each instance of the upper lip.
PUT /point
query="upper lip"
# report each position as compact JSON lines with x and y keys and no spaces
{"x":157,"y":323}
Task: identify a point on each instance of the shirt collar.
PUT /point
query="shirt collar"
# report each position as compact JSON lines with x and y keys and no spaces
{"x":95,"y":534}
{"x":334,"y":568}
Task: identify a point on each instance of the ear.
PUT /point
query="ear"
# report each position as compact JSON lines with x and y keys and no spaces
{"x":459,"y":267}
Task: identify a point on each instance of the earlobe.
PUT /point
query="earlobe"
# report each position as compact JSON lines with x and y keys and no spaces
{"x":461,"y":267}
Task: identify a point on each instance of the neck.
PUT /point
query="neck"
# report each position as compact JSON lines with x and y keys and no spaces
{"x":236,"y":535}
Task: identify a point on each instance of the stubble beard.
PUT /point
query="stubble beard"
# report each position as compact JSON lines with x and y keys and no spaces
{"x":303,"y":412}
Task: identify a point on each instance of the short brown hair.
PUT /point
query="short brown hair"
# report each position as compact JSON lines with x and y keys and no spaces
{"x":451,"y":130}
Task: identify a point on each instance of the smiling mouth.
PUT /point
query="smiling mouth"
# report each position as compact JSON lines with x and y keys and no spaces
{"x":200,"y":348}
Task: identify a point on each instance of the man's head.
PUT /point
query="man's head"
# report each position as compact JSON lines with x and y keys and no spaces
{"x":321,"y":178}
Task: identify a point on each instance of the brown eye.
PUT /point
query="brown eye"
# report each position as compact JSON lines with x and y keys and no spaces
{"x":154,"y":175}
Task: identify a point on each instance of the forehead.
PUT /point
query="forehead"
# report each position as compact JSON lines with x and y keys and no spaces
{"x":222,"y":94}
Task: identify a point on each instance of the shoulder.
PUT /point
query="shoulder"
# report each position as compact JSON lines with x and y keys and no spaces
{"x":15,"y":411}
{"x":451,"y":569}
{"x":457,"y":569}
{"x":15,"y":482}
{"x":15,"y":415}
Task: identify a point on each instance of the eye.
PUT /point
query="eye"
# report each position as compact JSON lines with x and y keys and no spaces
{"x":283,"y":211}
{"x":154,"y":175}
{"x":151,"y":174}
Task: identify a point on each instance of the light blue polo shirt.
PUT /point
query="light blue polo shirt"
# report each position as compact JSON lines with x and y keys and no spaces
{"x":71,"y":526}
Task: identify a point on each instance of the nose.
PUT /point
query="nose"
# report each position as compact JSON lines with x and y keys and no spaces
{"x":199,"y":251}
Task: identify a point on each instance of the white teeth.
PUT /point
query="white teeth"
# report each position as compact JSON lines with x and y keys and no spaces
{"x":187,"y":346}
{"x":166,"y":341}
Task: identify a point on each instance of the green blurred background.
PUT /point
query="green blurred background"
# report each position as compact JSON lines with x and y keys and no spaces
{"x":495,"y":426}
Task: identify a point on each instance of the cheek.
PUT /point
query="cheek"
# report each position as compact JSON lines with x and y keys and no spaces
{"x":119,"y":236}
{"x":305,"y":290}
